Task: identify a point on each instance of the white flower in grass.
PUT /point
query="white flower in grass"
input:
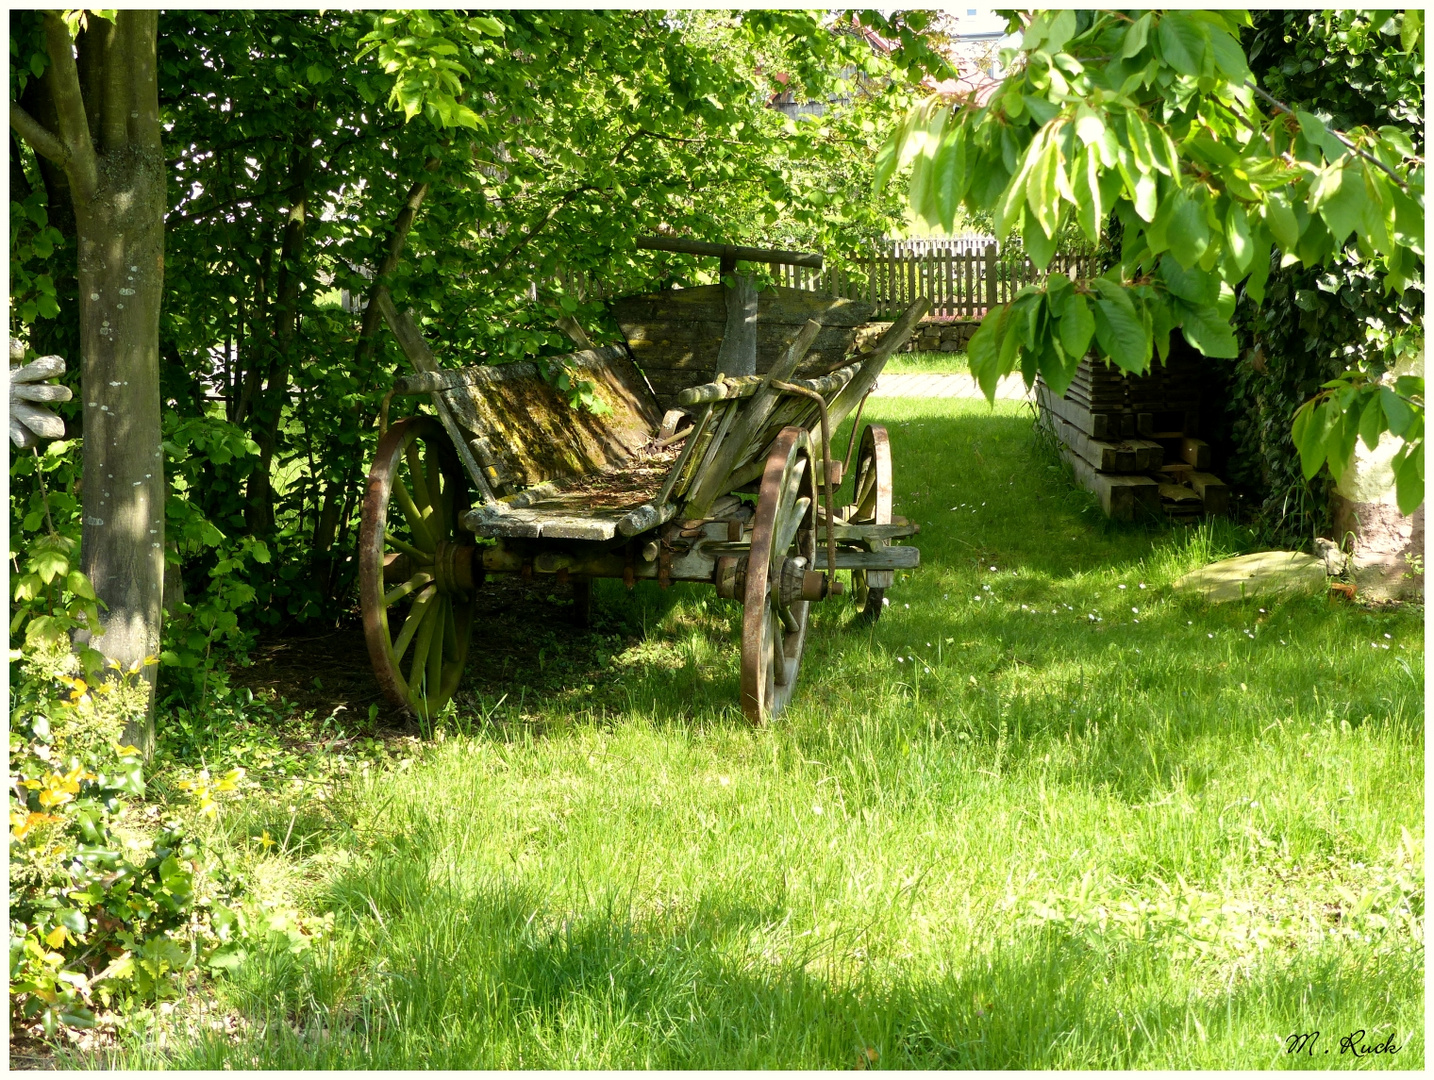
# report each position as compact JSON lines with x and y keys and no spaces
{"x":993,"y":569}
{"x":1136,"y":610}
{"x":817,"y":809}
{"x":1142,"y":584}
{"x":901,"y":659}
{"x":1120,"y":586}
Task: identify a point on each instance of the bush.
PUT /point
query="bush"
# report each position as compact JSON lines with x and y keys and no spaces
{"x":100,"y":914}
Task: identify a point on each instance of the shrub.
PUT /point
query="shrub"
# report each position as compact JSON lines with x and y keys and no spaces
{"x":100,"y":914}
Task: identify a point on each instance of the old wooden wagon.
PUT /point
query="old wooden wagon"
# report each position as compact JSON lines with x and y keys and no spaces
{"x":731,"y":480}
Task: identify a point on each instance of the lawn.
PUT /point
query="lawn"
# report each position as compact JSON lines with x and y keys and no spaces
{"x":1047,"y":813}
{"x":928,"y":363}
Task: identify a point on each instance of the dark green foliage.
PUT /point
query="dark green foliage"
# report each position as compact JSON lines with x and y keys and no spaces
{"x":1350,"y":67}
{"x":546,"y":140}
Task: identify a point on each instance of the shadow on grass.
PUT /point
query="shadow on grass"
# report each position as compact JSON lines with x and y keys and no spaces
{"x":494,"y":977}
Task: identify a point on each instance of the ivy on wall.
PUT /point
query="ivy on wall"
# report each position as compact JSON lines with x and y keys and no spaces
{"x":1349,"y":68}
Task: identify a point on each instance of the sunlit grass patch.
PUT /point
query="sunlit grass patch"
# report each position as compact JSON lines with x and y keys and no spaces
{"x":1048,"y":812}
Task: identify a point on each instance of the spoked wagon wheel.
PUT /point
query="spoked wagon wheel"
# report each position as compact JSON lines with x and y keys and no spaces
{"x":774,"y":617}
{"x":415,"y":567}
{"x":871,"y":506}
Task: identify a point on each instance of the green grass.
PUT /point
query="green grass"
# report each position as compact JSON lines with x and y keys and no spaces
{"x":928,"y":363}
{"x":991,"y":832}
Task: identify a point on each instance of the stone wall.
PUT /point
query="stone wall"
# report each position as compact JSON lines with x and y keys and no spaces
{"x":932,"y":335}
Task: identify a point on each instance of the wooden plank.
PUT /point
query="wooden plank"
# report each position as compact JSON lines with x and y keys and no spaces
{"x":1095,"y":425}
{"x":1100,"y":454}
{"x":1195,"y":452}
{"x":728,"y":251}
{"x":737,"y":355}
{"x":711,"y":481}
{"x":871,"y":366}
{"x":872,"y":532}
{"x":1119,"y":496}
{"x":1213,"y":492}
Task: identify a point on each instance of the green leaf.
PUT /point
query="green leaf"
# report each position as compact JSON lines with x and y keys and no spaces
{"x":952,"y":175}
{"x":1237,"y":236}
{"x":1062,"y":29}
{"x":1136,"y":36}
{"x":1188,"y":231}
{"x":1040,"y":247}
{"x":1340,"y":198}
{"x":1204,"y":329}
{"x":1409,"y":25}
{"x":1229,"y":57}
{"x":1409,"y":478}
{"x":1183,"y":42}
{"x":1193,"y":286}
{"x":1077,"y":325}
{"x":1090,"y":207}
{"x":80,"y":585}
{"x":927,"y":141}
{"x":1042,"y":195}
{"x":489,"y":25}
{"x":1397,"y":410}
{"x":983,"y":350}
{"x":1371,"y":422}
{"x":1280,"y":218}
{"x":1119,"y":331}
{"x":1315,"y":130}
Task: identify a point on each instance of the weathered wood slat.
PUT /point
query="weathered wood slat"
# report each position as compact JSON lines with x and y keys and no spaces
{"x":410,"y":340}
{"x":872,"y":365}
{"x":711,"y":480}
{"x":742,"y":386}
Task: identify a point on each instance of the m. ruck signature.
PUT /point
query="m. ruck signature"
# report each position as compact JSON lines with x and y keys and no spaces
{"x":1353,"y":1043}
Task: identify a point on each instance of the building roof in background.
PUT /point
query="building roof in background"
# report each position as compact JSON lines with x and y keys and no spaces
{"x":975,"y":36}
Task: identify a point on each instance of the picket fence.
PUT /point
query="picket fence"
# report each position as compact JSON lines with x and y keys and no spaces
{"x":962,"y":277}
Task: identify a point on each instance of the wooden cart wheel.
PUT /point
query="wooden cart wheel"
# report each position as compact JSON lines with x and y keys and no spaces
{"x":415,"y":566}
{"x":872,"y":506}
{"x":774,"y":630}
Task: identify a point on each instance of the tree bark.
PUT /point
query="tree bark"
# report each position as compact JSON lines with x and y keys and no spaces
{"x":106,"y":137}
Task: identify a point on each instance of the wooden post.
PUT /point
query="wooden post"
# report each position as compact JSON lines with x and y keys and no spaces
{"x":990,"y":276}
{"x":737,"y":354}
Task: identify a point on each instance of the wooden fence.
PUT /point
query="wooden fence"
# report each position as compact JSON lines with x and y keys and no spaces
{"x":960,"y":284}
{"x":961,"y":276}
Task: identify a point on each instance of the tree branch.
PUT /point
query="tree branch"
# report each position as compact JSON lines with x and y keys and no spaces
{"x":397,"y":238}
{"x":74,"y":129}
{"x":41,"y":139}
{"x":1280,"y":106}
{"x":143,"y":34}
{"x":115,"y":95}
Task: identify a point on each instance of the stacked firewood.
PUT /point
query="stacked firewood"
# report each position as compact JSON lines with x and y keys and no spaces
{"x":1133,"y":440}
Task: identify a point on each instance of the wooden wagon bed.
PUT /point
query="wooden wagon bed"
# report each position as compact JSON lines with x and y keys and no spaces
{"x":732,"y":482}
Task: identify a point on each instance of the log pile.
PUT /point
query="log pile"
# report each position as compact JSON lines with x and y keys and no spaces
{"x":1134,"y":440}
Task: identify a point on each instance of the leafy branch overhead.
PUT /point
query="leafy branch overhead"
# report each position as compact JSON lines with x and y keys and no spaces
{"x":1154,"y":120}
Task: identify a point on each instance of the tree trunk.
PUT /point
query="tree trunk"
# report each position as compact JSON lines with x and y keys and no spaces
{"x":269,"y":405}
{"x":107,"y":139}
